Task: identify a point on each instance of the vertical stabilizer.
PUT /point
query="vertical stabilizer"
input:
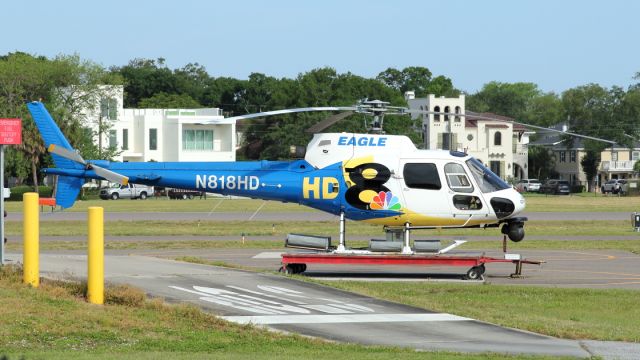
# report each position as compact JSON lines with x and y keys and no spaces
{"x":68,"y":187}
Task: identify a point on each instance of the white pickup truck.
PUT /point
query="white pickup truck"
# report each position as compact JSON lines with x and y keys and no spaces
{"x":129,"y":191}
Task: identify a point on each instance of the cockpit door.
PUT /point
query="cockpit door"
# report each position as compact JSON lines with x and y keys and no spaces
{"x":465,"y":199}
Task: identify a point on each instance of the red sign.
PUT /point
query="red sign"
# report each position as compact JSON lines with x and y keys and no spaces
{"x":10,"y":131}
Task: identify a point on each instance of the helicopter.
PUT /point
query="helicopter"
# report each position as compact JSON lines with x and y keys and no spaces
{"x":374,"y":177}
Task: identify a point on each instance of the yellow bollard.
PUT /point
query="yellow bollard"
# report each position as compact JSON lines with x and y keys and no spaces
{"x":31,"y":239}
{"x":95,"y":274}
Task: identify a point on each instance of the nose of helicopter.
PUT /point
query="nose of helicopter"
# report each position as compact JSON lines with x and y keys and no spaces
{"x":519,"y":202}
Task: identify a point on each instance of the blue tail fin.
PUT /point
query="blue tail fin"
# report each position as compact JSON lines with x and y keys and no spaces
{"x":68,"y":187}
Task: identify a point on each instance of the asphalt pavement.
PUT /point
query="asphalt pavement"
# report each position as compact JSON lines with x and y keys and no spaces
{"x":285,"y":304}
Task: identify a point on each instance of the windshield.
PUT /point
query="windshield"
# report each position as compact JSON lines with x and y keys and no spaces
{"x":487,"y":181}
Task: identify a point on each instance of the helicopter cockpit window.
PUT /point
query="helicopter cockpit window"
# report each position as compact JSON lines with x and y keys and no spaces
{"x":422,"y":176}
{"x":457,"y":178}
{"x":487,"y":181}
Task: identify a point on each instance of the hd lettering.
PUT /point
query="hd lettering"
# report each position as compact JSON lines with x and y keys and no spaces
{"x":229,"y":182}
{"x":362,"y":141}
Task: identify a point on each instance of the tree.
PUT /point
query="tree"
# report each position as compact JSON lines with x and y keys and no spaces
{"x":509,"y":99}
{"x":541,"y":163}
{"x":66,"y":84}
{"x":418,"y":79}
{"x":169,"y":101}
{"x":590,"y":163}
{"x":145,"y":78}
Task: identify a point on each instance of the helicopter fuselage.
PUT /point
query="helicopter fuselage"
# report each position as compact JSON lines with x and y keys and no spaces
{"x":380,"y":179}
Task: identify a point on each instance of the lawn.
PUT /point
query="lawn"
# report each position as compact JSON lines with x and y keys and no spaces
{"x":281,"y":228}
{"x":566,"y":313}
{"x":54,"y":322}
{"x":535,"y":202}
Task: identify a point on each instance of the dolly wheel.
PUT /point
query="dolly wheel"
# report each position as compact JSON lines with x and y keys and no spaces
{"x":290,"y":269}
{"x":474,"y":273}
{"x":482,"y":269}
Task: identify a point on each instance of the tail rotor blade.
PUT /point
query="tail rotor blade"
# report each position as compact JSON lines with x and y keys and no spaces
{"x":66,"y":153}
{"x":109,"y":175}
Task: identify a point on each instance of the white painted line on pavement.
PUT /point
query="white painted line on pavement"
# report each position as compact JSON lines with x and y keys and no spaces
{"x":268,"y":255}
{"x":348,"y":318}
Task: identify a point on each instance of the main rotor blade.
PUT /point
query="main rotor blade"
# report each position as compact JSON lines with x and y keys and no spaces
{"x":285,"y":111}
{"x":318,"y":127}
{"x":109,"y":175}
{"x":483,"y":117}
{"x":66,"y":153}
{"x":473,"y":115}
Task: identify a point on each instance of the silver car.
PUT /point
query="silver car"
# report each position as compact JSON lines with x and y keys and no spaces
{"x":525,"y":185}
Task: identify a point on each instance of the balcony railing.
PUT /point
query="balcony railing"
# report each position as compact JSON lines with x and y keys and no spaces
{"x":626,"y":165}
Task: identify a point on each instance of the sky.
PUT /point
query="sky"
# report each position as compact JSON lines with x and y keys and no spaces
{"x":555,"y":44}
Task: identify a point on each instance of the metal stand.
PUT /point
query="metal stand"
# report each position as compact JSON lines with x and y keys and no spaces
{"x":407,"y":237}
{"x":518,"y":273}
{"x":504,"y":244}
{"x":341,"y":247}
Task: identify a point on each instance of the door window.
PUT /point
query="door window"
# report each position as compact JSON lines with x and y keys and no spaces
{"x":457,"y":178}
{"x":421,"y":176}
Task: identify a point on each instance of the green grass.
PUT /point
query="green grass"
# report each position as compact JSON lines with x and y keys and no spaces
{"x":165,"y":205}
{"x":54,"y":322}
{"x":585,"y":202}
{"x":566,"y":313}
{"x":328,"y":228}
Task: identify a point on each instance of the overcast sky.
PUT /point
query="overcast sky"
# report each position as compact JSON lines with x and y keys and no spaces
{"x":556,"y":44}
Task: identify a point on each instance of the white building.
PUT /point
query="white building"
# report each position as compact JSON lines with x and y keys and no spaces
{"x":164,"y":134}
{"x":502,"y":145}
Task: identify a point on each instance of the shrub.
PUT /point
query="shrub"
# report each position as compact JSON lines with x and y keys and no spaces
{"x":18,"y":191}
{"x":577,"y":188}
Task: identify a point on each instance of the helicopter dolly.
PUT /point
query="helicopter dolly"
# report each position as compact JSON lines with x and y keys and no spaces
{"x":296,"y":263}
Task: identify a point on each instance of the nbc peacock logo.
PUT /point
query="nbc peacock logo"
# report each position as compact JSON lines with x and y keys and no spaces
{"x":385,"y":201}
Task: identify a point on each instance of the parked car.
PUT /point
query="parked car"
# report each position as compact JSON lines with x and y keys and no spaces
{"x":525,"y":185}
{"x":129,"y":191}
{"x":182,"y":194}
{"x":557,"y":187}
{"x":614,"y":186}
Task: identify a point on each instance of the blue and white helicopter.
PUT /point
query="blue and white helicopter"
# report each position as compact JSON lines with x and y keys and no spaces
{"x":376,"y":178}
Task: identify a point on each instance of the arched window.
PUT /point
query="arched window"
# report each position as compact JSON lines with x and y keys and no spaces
{"x":437,"y":111}
{"x":458,"y":111}
{"x":447,"y":110}
{"x":497,"y":138}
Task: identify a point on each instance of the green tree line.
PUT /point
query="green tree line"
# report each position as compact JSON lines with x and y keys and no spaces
{"x":67,"y":85}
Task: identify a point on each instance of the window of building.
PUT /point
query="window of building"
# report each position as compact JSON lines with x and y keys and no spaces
{"x":436,"y":117}
{"x":614,"y":156}
{"x":113,"y":139}
{"x":109,"y":108}
{"x":563,"y":156}
{"x":497,"y":138}
{"x":572,"y":156}
{"x":198,"y":140}
{"x":635,"y":155}
{"x":457,"y":178}
{"x":496,"y":166}
{"x":458,"y":112}
{"x":153,"y":139}
{"x":422,"y":176}
{"x":125,"y":139}
{"x":447,"y":110}
{"x":470,"y":137}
